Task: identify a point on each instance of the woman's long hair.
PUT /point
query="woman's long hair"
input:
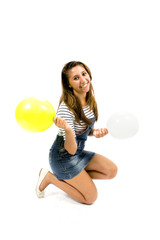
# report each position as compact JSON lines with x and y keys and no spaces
{"x":71,"y":100}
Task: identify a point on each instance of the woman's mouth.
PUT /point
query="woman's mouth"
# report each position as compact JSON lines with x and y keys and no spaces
{"x":84,"y":86}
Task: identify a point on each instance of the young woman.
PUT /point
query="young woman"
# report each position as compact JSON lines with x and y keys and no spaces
{"x":74,"y":168}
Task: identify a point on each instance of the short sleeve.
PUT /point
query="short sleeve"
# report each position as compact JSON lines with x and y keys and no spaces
{"x":65,"y":113}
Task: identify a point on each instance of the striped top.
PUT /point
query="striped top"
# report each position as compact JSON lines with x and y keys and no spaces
{"x":65,"y":113}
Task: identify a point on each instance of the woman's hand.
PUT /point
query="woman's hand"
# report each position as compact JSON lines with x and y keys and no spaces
{"x":61,"y":123}
{"x":100,"y":132}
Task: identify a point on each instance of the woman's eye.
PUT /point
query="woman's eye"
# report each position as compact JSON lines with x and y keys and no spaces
{"x":75,"y":78}
{"x":84,"y":73}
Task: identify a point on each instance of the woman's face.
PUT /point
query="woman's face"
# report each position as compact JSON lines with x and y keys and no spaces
{"x":79,"y":80}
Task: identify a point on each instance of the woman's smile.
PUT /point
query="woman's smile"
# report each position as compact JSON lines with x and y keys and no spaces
{"x":84,"y":86}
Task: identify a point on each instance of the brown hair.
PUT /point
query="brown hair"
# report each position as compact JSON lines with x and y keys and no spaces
{"x":71,"y":100}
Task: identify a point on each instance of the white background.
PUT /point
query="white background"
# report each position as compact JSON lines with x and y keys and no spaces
{"x":119,"y":41}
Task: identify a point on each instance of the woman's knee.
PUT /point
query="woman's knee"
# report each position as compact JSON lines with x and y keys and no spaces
{"x":113,"y":171}
{"x":91,"y":196}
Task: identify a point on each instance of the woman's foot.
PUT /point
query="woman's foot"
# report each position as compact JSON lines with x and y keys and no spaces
{"x":42,"y":182}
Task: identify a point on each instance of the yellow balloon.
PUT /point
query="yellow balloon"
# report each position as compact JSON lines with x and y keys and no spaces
{"x":34,"y":114}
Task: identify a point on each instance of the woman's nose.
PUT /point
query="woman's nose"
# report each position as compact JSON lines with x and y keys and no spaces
{"x":83,"y":79}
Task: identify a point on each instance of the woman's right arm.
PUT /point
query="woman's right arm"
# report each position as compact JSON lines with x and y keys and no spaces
{"x":70,"y":142}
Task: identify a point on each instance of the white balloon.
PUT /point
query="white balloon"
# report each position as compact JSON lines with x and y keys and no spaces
{"x":122,"y":125}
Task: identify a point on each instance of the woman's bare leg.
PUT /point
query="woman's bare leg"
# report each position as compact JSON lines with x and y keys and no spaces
{"x":101,"y":167}
{"x":81,"y":188}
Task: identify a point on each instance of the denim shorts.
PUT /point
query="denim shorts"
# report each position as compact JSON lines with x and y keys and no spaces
{"x":64,"y":165}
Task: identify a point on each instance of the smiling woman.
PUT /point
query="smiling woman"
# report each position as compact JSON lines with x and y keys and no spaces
{"x":76,"y":74}
{"x":73,"y":167}
{"x":79,"y":81}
